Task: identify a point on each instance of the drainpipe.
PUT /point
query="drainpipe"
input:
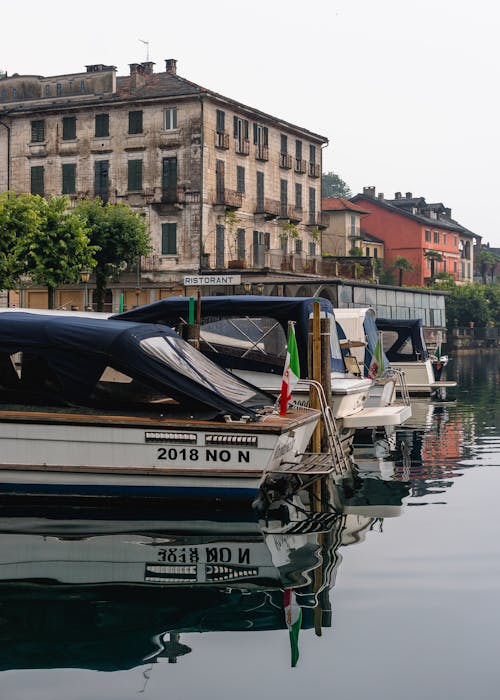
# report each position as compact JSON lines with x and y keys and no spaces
{"x":8,"y":152}
{"x":202,"y":146}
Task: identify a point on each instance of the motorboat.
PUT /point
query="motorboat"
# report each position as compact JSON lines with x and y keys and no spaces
{"x":405,"y":347}
{"x":247,"y":334}
{"x":99,"y":407}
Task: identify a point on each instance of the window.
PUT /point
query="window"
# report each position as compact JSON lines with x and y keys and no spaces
{"x":284,"y":143}
{"x":455,"y":267}
{"x":169,"y":175}
{"x":37,"y":180}
{"x":13,"y":93}
{"x":444,"y":238}
{"x":58,"y":89}
{"x":240,"y":244}
{"x":283,"y":197}
{"x":47,"y":91}
{"x":312,"y":249}
{"x":375,"y":253}
{"x":240,"y":132}
{"x":220,"y":121}
{"x":427,"y":236}
{"x":169,"y":239}
{"x":260,"y":135}
{"x":135,"y":122}
{"x":367,"y":252}
{"x":68,"y":128}
{"x":3,"y":94}
{"x":312,"y":205}
{"x":220,"y":236}
{"x":37,"y":131}
{"x":260,"y":191}
{"x":353,"y":226}
{"x":69,"y":178}
{"x":312,"y":155}
{"x":298,"y":195}
{"x":102,"y":124}
{"x":436,"y":236}
{"x":134,"y":175}
{"x":101,"y":179}
{"x":298,"y":149}
{"x":82,"y":85}
{"x":171,"y":118}
{"x":240,"y":179}
{"x":298,"y":245}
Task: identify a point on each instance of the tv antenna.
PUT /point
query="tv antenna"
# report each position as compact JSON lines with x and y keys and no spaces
{"x":147,"y":48}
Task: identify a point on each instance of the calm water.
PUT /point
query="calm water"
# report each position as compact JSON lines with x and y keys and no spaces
{"x":399,"y":588}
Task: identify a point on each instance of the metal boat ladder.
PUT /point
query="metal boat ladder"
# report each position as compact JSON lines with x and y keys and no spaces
{"x":324,"y":462}
{"x":403,"y":386}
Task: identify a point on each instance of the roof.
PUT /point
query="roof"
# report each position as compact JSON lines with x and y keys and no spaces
{"x":403,"y":207}
{"x":340,"y":204}
{"x":370,"y":237}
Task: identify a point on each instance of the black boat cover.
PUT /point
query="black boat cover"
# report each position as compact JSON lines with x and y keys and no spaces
{"x":70,"y":355}
{"x":173,"y":311}
{"x":403,"y":339}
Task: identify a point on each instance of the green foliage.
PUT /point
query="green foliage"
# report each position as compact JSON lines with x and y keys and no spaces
{"x":403,"y":265}
{"x":470,"y":302}
{"x":383,"y":274}
{"x":57,"y":249}
{"x":333,"y":186}
{"x":356,"y":252}
{"x":120,"y":235}
{"x":486,"y":261}
{"x":19,"y":214}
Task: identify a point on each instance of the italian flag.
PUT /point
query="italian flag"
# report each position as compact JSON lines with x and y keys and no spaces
{"x":293,"y":617}
{"x":376,"y":367}
{"x":291,"y":373}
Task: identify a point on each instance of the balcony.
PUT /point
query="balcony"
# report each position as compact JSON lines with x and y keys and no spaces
{"x":292,"y":214}
{"x":286,"y":161}
{"x":300,"y":165}
{"x":261,"y":152}
{"x":221,"y":139}
{"x":318,"y":219}
{"x":228,"y":198}
{"x":271,"y":208}
{"x":314,"y":170}
{"x":242,"y":146}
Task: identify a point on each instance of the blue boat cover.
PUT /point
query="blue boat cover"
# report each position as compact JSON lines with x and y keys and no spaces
{"x":406,"y":340}
{"x":68,"y":355}
{"x":173,"y":311}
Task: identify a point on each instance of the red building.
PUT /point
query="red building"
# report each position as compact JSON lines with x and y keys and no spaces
{"x":425,"y":234}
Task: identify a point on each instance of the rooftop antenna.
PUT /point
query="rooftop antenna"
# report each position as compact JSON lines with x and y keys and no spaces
{"x":147,"y":48}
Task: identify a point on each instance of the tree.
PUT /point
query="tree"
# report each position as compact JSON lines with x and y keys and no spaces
{"x":434,"y":256}
{"x":120,"y":235}
{"x":487,"y":260}
{"x":356,"y":252}
{"x":403,"y":265}
{"x":55,"y":250}
{"x":19,"y":214}
{"x":468,"y":303}
{"x":333,"y":186}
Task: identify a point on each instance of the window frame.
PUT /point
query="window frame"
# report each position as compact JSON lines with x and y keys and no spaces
{"x":134,"y":175}
{"x":68,"y":174}
{"x":101,"y":126}
{"x":69,"y":128}
{"x":136,"y":121}
{"x":37,"y":172}
{"x":38,"y":131}
{"x":170,"y":119}
{"x":169,"y":238}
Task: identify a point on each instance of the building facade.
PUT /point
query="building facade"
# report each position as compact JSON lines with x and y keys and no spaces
{"x":222,"y":185}
{"x":423,"y":233}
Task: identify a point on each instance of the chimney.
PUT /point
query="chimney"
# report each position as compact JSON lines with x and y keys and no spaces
{"x":380,"y":195}
{"x":397,"y":195}
{"x":147,"y":67}
{"x":137,"y":76}
{"x":409,"y":195}
{"x":369,"y":191}
{"x":171,"y":66}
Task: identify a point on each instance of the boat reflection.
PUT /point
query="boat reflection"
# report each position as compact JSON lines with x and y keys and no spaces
{"x":100,"y":595}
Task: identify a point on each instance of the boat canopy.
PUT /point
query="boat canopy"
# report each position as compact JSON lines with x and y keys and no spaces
{"x":246,"y":331}
{"x":359,"y":324}
{"x":88,"y":360}
{"x":403,"y":339}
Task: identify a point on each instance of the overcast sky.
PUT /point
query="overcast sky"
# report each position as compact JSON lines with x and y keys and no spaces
{"x":406,"y":93}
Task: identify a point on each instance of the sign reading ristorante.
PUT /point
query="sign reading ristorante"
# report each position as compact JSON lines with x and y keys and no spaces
{"x":199,"y":280}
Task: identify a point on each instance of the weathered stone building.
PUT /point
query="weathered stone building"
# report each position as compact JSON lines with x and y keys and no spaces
{"x":222,"y":185}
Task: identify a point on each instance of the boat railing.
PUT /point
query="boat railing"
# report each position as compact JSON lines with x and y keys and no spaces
{"x":403,"y":386}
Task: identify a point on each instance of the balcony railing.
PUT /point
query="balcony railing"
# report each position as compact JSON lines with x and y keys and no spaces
{"x":300,"y":165}
{"x":271,"y":208}
{"x":291,"y":213}
{"x":221,"y":139}
{"x":314,"y":170}
{"x":242,"y":146}
{"x":229,"y":198}
{"x":318,"y":219}
{"x":261,"y":152}
{"x":286,"y":161}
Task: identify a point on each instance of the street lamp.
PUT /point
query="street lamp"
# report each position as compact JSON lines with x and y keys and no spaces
{"x":85,"y":276}
{"x":24,"y":281}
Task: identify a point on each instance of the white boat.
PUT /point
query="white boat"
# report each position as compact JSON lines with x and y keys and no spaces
{"x":405,"y":347}
{"x":247,"y":334}
{"x":100,"y":407}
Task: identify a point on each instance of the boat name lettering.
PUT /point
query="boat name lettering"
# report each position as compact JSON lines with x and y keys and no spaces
{"x":193,"y":454}
{"x":208,"y":555}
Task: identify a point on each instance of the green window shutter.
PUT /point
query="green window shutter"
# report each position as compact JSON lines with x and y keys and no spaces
{"x":240,"y":179}
{"x":102,"y":124}
{"x":169,"y":239}
{"x":37,"y":180}
{"x":101,"y":179}
{"x":235,"y":127}
{"x":69,"y":178}
{"x":134,"y":175}
{"x":169,"y":173}
{"x":220,"y":118}
{"x":37,"y":130}
{"x":266,"y":136}
{"x":240,"y":244}
{"x":68,"y":128}
{"x":135,"y":122}
{"x":255,"y":134}
{"x":245,"y":128}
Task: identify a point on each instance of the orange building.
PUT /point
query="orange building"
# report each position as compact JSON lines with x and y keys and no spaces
{"x":425,"y":234}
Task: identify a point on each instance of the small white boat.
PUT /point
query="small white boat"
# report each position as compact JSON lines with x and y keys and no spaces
{"x":99,"y":407}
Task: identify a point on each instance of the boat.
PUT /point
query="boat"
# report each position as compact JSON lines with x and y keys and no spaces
{"x":247,"y":334}
{"x":405,"y":347}
{"x":96,"y":407}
